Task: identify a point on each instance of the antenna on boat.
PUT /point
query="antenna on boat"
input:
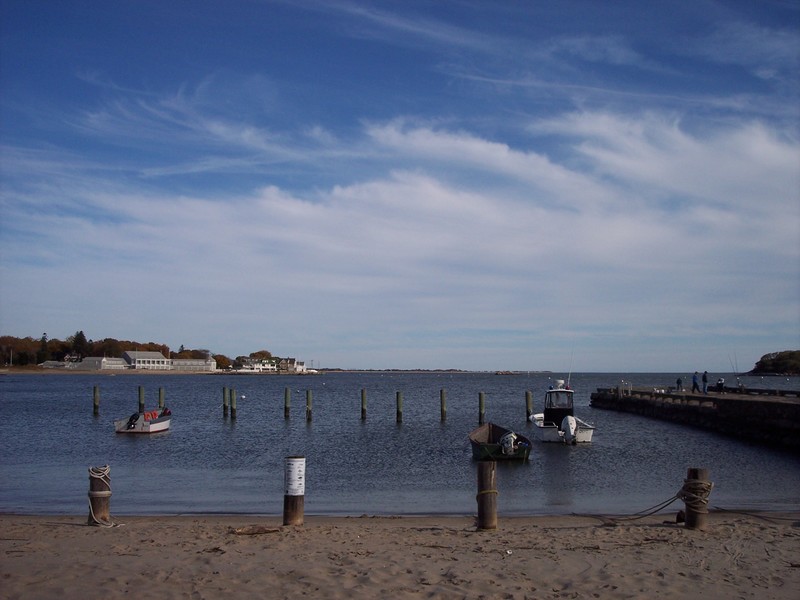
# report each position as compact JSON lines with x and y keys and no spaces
{"x":569,"y":375}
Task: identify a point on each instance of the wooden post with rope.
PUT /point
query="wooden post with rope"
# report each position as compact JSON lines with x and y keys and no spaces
{"x":100,"y":496}
{"x":487,"y":495}
{"x":695,"y":492}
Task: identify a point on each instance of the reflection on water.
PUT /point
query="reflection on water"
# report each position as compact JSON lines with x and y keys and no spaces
{"x":210,"y":464}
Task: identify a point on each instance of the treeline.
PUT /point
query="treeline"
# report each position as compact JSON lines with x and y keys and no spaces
{"x":783,"y":363}
{"x":21,"y":352}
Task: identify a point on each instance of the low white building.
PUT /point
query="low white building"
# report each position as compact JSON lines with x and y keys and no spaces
{"x":254,"y":365}
{"x":195,"y":365}
{"x":100,"y":363}
{"x":151,"y":361}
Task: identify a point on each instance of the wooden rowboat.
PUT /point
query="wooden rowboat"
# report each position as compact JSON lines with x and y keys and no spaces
{"x":493,"y":442}
{"x":151,"y":421}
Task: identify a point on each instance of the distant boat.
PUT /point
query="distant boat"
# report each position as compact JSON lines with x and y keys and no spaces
{"x":558,"y":423}
{"x":151,"y":421}
{"x":493,"y":442}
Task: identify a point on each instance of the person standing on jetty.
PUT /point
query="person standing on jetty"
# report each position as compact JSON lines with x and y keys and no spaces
{"x":680,"y":384}
{"x":705,"y":382}
{"x":695,"y":387}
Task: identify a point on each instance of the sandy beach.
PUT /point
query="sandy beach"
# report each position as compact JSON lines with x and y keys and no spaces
{"x":738,"y":555}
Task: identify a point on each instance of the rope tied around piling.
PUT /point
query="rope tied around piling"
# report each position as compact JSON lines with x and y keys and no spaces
{"x":102,"y":475}
{"x":695,"y":493}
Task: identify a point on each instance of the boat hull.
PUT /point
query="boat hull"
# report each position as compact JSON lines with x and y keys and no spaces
{"x":486,"y":444}
{"x":550,"y":432}
{"x":143,"y":423}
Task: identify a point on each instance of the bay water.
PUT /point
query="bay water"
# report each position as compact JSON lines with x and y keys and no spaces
{"x":209,"y":464}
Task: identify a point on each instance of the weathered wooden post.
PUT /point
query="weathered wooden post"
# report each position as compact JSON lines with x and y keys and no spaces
{"x":695,"y":492}
{"x":96,"y":400}
{"x":399,"y":398}
{"x":225,"y":401}
{"x":308,"y":405}
{"x":294,"y":479}
{"x":287,"y":402}
{"x":233,"y":402}
{"x":363,"y":404}
{"x":528,"y":405}
{"x":161,"y":397}
{"x":487,"y":495}
{"x":481,"y":408}
{"x":443,"y":404}
{"x":141,"y":399}
{"x":100,"y":496}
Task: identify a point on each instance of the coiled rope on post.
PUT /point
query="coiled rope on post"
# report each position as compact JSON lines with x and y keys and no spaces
{"x":695,"y":493}
{"x":100,"y":474}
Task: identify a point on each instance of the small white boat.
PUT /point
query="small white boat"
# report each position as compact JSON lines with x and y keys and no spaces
{"x":151,"y":421}
{"x":558,"y":423}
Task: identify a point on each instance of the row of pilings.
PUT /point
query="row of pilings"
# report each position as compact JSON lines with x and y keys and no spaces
{"x":772,"y":420}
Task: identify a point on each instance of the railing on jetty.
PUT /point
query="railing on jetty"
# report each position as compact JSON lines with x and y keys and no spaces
{"x":765,"y":416}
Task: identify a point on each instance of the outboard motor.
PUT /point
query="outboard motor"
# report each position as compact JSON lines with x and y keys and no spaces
{"x":569,"y":426}
{"x":133,"y":421}
{"x":508,"y":442}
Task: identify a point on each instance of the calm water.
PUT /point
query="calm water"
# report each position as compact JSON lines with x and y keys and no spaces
{"x":208,"y":464}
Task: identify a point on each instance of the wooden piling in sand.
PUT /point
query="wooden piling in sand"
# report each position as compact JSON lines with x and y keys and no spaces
{"x":294,"y":479}
{"x":696,"y":489}
{"x":487,"y":495}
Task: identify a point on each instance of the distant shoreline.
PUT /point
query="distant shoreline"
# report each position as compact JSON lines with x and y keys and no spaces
{"x":35,"y":370}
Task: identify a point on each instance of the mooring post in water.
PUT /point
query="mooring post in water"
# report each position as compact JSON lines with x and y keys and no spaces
{"x":225,"y":401}
{"x":481,"y":408}
{"x":96,"y":400}
{"x":141,"y":399}
{"x":294,"y":480}
{"x":100,"y":496}
{"x":443,"y":404}
{"x":287,"y":402}
{"x":233,"y":403}
{"x":487,"y":495}
{"x":308,"y":405}
{"x":695,"y":492}
{"x":399,"y":398}
{"x":528,"y":405}
{"x":161,"y":397}
{"x":363,"y":404}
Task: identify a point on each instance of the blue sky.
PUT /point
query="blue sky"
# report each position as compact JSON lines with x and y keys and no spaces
{"x":458,"y":184}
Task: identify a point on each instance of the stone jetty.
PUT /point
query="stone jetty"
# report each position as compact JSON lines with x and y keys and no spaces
{"x":764,"y":416}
